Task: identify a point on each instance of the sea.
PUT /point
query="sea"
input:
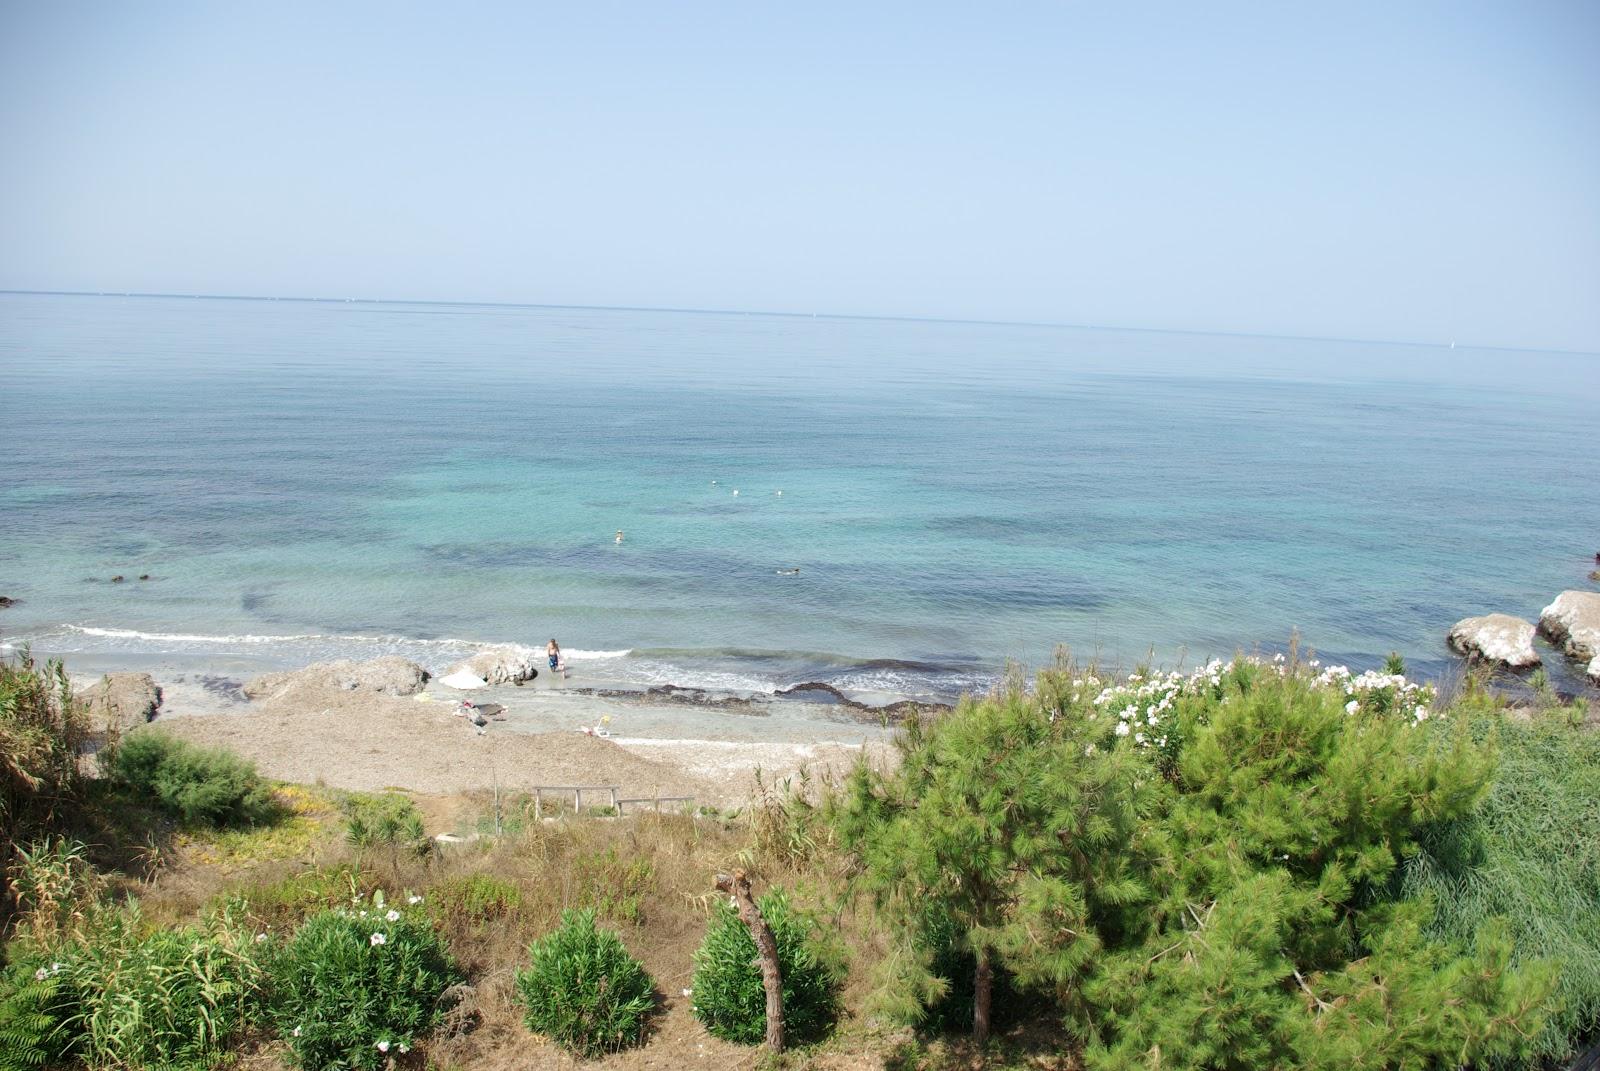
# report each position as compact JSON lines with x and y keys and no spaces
{"x":895,"y":508}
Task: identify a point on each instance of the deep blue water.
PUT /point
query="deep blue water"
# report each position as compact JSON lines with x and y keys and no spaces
{"x":360,"y":476}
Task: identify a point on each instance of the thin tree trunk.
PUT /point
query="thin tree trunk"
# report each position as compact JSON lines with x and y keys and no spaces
{"x":738,"y":886}
{"x":982,"y":992}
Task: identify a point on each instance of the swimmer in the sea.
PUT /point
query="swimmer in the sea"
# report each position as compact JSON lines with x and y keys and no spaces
{"x":619,"y":535}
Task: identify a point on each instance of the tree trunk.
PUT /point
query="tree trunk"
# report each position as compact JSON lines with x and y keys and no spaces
{"x":738,"y":886}
{"x":982,"y":991}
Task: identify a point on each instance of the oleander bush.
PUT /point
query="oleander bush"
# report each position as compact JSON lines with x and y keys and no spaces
{"x":729,"y":997}
{"x":1529,"y":855}
{"x":199,"y":786}
{"x":583,"y":990}
{"x":359,"y":984}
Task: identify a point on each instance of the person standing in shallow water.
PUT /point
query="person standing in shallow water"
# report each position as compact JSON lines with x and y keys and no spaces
{"x":553,"y":651}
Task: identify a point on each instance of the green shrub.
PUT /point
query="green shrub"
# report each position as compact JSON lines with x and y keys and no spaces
{"x":42,"y":731}
{"x":583,"y":990}
{"x":39,"y":1013}
{"x":1530,"y":855}
{"x":355,"y":985}
{"x":197,"y":785}
{"x":385,"y":820}
{"x":1201,"y":869}
{"x":614,"y":886}
{"x":729,"y":997}
{"x":473,"y":899}
{"x":163,"y":998}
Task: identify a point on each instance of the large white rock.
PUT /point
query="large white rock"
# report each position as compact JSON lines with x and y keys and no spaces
{"x":505,"y":664}
{"x":122,"y":701}
{"x":390,"y":675}
{"x":1498,"y":638}
{"x":1573,"y":623}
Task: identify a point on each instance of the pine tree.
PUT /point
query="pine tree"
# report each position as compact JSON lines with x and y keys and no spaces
{"x":1007,"y":823}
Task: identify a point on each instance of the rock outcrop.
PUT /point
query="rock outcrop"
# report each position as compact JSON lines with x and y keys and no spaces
{"x":6,"y":600}
{"x":505,"y":664}
{"x":1572,"y":623}
{"x":389,"y":675}
{"x":1497,"y":638}
{"x":122,"y":701}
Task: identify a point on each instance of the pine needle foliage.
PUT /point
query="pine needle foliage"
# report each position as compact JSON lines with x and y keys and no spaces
{"x":1529,"y":855}
{"x":1012,"y":826}
{"x":1201,"y":873}
{"x":729,"y":996}
{"x":200,"y":786}
{"x":583,"y":990}
{"x":355,"y":985}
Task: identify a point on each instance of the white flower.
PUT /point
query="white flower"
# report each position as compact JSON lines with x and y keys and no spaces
{"x":379,"y":939}
{"x":413,"y":900}
{"x":40,"y":975}
{"x":404,"y":1047}
{"x":1122,"y":728}
{"x":1088,"y":750}
{"x":55,"y":968}
{"x":1422,"y":714}
{"x":1138,"y":738}
{"x":261,"y":938}
{"x":363,"y":914}
{"x":1351,"y":707}
{"x":382,"y":1046}
{"x":393,"y":916}
{"x":686,"y":992}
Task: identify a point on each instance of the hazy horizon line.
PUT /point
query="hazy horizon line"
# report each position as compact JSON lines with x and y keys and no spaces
{"x":1454,"y":344}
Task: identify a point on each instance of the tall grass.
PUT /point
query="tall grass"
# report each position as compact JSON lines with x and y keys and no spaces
{"x":1530,"y":854}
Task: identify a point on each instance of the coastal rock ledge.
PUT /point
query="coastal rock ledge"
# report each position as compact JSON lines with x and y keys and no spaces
{"x":505,"y":664}
{"x":1498,"y":638}
{"x":390,"y":675}
{"x":1572,"y":622}
{"x":122,"y":701}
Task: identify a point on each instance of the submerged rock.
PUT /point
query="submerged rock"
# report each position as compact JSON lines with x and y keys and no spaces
{"x":1572,"y":622}
{"x":506,"y":664}
{"x":390,"y":675}
{"x":122,"y":701}
{"x":1498,"y":638}
{"x":6,"y":600}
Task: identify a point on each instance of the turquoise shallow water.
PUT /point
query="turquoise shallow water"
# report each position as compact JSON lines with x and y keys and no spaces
{"x":307,"y":479}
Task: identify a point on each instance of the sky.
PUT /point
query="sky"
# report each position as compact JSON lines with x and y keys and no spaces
{"x":1413,"y":171}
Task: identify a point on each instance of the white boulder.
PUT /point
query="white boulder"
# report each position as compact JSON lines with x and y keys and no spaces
{"x":505,"y":664}
{"x":1572,"y":622}
{"x":122,"y":701}
{"x":1498,"y":638}
{"x":389,"y":675}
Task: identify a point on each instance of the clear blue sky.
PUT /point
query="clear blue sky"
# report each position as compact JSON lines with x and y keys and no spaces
{"x":1412,"y":170}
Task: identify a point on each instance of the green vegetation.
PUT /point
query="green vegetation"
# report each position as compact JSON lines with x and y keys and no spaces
{"x":42,"y":731}
{"x":1257,"y":864}
{"x":583,"y":990}
{"x":728,"y":994}
{"x":1196,"y":866}
{"x":1530,"y":856}
{"x":384,"y":820}
{"x":199,"y":786}
{"x":356,"y":984}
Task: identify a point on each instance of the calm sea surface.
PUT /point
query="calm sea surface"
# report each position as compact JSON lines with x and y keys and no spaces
{"x":314,"y":479}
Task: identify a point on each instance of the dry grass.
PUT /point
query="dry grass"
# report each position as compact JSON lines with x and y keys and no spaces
{"x":649,"y":876}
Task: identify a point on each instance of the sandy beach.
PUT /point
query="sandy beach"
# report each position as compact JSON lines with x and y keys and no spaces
{"x":311,"y":731}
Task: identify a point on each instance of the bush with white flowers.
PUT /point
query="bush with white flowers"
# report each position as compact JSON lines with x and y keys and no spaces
{"x":359,"y":985}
